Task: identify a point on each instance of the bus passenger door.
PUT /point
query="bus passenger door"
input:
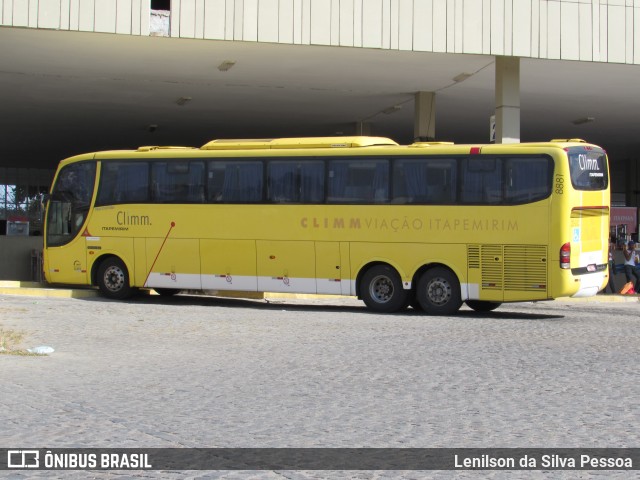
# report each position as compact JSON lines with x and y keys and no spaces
{"x":286,"y":266}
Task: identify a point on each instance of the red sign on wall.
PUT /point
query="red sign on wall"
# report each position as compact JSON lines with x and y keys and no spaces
{"x":625,"y":216}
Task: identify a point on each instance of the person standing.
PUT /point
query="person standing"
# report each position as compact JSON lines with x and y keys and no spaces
{"x":630,"y":262}
{"x":611,"y":285}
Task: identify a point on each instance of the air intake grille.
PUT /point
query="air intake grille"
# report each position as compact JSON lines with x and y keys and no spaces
{"x":491,"y":258}
{"x":510,"y":267}
{"x":525,"y":267}
{"x":473,"y":256}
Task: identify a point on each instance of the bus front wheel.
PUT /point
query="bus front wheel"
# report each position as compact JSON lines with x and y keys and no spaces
{"x":381,"y":289}
{"x":113,"y":279}
{"x":438,"y":292}
{"x":482,"y":305}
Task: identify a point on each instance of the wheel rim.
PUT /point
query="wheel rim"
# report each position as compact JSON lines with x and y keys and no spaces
{"x":439,"y":291}
{"x":114,"y":278}
{"x":381,"y":289}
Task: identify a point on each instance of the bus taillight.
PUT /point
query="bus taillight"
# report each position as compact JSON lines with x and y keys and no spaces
{"x":565,"y":256}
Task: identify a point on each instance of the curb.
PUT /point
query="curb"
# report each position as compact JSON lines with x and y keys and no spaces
{"x":36,"y":289}
{"x":611,"y":297}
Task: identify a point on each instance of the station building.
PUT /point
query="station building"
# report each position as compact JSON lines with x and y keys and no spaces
{"x":85,"y":75}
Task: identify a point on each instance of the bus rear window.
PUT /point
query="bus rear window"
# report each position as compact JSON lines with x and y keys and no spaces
{"x":588,"y":169}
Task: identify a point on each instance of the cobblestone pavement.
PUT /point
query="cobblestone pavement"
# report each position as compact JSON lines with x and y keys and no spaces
{"x":210,"y":372}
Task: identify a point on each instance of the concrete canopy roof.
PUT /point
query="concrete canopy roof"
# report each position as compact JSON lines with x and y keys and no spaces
{"x":64,"y":93}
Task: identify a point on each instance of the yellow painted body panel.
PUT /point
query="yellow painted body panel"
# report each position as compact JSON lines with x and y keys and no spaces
{"x":285,"y":265}
{"x":330,"y":268}
{"x":228,"y":257}
{"x":172,"y":258}
{"x":304,"y":240}
{"x":68,"y":264}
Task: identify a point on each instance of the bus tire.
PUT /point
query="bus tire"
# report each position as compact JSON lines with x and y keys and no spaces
{"x":438,"y":292}
{"x":381,"y":289}
{"x":482,"y":305}
{"x":113,"y":279}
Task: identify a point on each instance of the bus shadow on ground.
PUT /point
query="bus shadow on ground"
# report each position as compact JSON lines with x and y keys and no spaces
{"x":508,"y":315}
{"x":230,"y":302}
{"x":283,"y":304}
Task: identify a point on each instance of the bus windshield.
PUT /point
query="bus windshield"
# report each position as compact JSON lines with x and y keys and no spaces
{"x":588,"y":169}
{"x":69,"y":203}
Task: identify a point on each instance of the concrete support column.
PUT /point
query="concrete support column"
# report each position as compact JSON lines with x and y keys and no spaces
{"x":363,"y":128}
{"x":424,"y":125}
{"x":632,"y":182}
{"x":507,"y":100}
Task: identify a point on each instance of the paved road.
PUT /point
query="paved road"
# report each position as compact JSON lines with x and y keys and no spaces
{"x":206,"y":372}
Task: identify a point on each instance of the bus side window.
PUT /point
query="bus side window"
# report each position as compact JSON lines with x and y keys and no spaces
{"x":358,"y":181}
{"x":481,"y":181}
{"x":235,"y":181}
{"x":215,"y":182}
{"x":178,"y":182}
{"x":283,"y":182}
{"x":425,"y":181}
{"x":312,"y":182}
{"x":528,"y":179}
{"x":123,"y":182}
{"x":295,"y":182}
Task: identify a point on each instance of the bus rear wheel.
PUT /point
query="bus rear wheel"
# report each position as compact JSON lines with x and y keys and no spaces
{"x":113,"y":279}
{"x":482,"y":305}
{"x":438,"y":292}
{"x":381,"y":289}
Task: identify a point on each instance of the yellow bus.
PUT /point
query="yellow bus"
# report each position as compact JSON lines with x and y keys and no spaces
{"x":431,"y":225}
